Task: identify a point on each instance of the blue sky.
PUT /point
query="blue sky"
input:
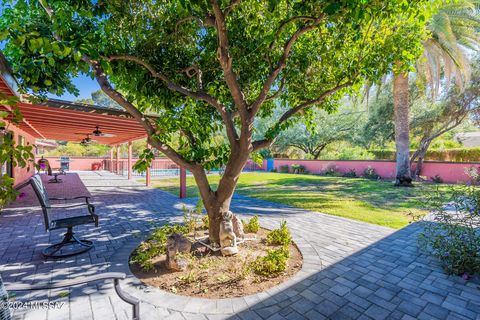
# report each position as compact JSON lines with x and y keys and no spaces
{"x":84,"y":84}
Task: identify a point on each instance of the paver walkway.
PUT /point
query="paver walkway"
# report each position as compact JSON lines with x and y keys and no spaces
{"x":352,"y":270}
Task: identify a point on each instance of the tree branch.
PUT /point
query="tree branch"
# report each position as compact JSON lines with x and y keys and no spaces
{"x":278,"y":92}
{"x":106,"y":87}
{"x":197,"y":95}
{"x":309,"y":103}
{"x":264,"y":143}
{"x":282,"y":62}
{"x":226,"y":62}
{"x":231,"y":6}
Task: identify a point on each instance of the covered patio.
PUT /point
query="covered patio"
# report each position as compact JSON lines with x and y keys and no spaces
{"x":68,"y":121}
{"x":352,"y":270}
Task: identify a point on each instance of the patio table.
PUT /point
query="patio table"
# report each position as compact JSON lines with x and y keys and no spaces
{"x":71,"y":186}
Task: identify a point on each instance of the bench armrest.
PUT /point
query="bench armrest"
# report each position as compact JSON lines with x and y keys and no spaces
{"x":65,"y":283}
{"x":74,"y":198}
{"x":116,"y":276}
{"x":67,"y":206}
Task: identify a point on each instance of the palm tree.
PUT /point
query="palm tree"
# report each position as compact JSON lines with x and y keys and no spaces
{"x":453,"y":33}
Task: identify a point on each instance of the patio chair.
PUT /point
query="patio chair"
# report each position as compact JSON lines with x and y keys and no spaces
{"x":116,"y":276}
{"x":70,"y":245}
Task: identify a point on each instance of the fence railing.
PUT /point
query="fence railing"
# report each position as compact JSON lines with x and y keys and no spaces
{"x":161,"y":168}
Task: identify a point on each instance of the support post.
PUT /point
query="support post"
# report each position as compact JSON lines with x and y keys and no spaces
{"x":148,"y":178}
{"x":117,"y":169}
{"x":110,"y":167}
{"x":183,"y":183}
{"x":129,"y":160}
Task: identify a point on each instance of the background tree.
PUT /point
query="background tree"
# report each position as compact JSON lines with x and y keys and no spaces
{"x":312,"y":138}
{"x":453,"y":29}
{"x":207,"y":67}
{"x":436,"y":119}
{"x":99,"y":98}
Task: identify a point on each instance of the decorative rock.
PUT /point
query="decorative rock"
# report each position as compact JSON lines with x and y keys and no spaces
{"x":228,"y":239}
{"x":177,"y":243}
{"x":238,"y":227}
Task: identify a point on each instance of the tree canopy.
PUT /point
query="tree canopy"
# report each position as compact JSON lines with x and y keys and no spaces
{"x":207,"y":67}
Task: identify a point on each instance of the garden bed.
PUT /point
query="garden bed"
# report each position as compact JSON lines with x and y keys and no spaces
{"x":211,"y":275}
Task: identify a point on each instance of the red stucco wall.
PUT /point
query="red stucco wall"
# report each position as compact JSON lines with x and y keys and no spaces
{"x":450,"y":172}
{"x":76,"y":163}
{"x":22,"y":174}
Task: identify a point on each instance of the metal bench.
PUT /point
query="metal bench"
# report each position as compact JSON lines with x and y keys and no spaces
{"x":116,"y":276}
{"x":70,"y":245}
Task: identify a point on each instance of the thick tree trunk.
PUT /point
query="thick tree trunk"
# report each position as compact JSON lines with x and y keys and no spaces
{"x":420,"y":155}
{"x":402,"y":130}
{"x":218,"y":202}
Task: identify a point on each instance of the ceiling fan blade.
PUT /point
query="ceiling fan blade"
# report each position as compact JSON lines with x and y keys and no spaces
{"x":107,"y":135}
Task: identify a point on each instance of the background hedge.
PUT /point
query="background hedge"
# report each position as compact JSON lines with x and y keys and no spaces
{"x":454,"y":155}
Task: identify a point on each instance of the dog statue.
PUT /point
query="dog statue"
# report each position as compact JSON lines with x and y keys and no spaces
{"x":228,"y":239}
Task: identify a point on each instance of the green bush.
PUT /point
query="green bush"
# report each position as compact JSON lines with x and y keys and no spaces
{"x":155,"y":245}
{"x":298,"y":168}
{"x":453,"y":236}
{"x":273,"y":263}
{"x":454,"y":154}
{"x":370,"y":173}
{"x":280,"y":236}
{"x":350,"y":174}
{"x":284,"y":169}
{"x":251,"y":226}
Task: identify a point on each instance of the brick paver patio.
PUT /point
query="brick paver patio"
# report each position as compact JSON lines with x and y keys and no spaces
{"x":352,"y":270}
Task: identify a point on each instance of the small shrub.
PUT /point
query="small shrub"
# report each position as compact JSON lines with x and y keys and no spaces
{"x":192,"y":217}
{"x":298,"y":168}
{"x":437,"y":179}
{"x":155,"y":245}
{"x":369,"y":173}
{"x":332,"y":171}
{"x":280,"y":236}
{"x":273,"y":263}
{"x":453,"y":235}
{"x":205,"y":222}
{"x":191,"y":277}
{"x":284,"y":169}
{"x":351,"y":173}
{"x":251,"y":226}
{"x":473,"y":175}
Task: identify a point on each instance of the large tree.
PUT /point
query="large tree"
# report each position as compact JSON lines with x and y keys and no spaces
{"x":454,"y":29}
{"x":211,"y":66}
{"x":313,"y":136}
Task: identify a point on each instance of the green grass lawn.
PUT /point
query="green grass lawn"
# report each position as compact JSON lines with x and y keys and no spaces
{"x":376,"y":202}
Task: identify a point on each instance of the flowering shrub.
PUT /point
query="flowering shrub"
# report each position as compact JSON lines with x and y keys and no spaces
{"x":332,"y":171}
{"x":452,"y":234}
{"x":473,"y":175}
{"x":370,"y":173}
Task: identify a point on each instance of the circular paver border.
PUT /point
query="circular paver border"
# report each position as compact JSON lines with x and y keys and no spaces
{"x":163,"y":299}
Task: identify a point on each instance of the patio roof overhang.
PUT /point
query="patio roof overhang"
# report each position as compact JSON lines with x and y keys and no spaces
{"x":67,"y":121}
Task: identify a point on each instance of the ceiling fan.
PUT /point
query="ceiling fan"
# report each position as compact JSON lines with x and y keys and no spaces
{"x":87,"y":140}
{"x":97,"y":133}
